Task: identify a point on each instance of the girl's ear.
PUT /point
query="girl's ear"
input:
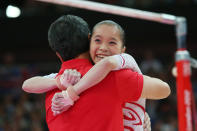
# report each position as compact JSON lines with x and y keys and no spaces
{"x":89,"y":36}
{"x":123,"y":49}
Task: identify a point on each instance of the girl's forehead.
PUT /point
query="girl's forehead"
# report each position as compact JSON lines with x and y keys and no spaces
{"x":112,"y":29}
{"x":102,"y":26}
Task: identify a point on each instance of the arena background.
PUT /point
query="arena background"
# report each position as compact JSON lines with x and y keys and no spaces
{"x":24,"y":52}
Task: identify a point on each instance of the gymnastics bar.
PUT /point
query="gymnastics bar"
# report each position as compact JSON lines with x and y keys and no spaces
{"x":184,"y":91}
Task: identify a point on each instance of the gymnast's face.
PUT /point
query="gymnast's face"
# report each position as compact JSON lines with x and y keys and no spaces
{"x":105,"y":41}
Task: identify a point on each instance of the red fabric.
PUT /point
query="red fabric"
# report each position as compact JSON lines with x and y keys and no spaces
{"x":99,"y":108}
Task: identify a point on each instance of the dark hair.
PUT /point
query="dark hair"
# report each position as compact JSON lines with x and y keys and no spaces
{"x":68,"y":36}
{"x":112,"y":23}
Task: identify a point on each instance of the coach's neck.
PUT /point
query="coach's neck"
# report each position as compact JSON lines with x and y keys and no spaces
{"x":84,"y":55}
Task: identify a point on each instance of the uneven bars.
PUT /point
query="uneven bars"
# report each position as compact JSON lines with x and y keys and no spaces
{"x":117,"y":10}
{"x":181,"y":31}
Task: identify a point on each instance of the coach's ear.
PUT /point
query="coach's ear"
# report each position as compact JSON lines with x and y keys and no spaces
{"x":123,"y":49}
{"x":59,"y":56}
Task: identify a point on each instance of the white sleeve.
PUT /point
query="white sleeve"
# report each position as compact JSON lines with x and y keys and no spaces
{"x":126,"y":61}
{"x":52,"y":75}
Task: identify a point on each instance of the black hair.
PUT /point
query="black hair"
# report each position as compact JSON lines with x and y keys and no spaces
{"x":112,"y":23}
{"x":68,"y":36}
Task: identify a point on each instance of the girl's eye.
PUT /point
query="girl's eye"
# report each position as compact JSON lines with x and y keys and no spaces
{"x":97,"y":40}
{"x":112,"y":43}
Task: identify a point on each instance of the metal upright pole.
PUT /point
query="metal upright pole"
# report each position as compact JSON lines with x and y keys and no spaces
{"x":184,"y":88}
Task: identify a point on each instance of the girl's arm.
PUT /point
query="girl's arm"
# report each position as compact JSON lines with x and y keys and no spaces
{"x":40,"y":84}
{"x":100,"y":70}
{"x":96,"y":74}
{"x":153,"y":88}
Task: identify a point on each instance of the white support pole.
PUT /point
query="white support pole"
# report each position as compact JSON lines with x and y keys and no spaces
{"x":117,"y":10}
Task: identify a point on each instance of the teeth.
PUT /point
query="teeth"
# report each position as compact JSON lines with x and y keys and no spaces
{"x":101,"y":56}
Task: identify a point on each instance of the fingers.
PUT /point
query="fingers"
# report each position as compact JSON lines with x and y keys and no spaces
{"x":147,"y":118}
{"x":76,"y":77}
{"x":57,"y":108}
{"x":70,"y":77}
{"x":147,"y":123}
{"x":62,"y":110}
{"x":60,"y":103}
{"x":65,"y":78}
{"x":57,"y":95}
{"x":55,"y":113}
{"x":57,"y":105}
{"x":65,"y":108}
{"x":57,"y":102}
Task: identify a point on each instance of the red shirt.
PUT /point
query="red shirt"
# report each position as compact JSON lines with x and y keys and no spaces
{"x":100,"y":107}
